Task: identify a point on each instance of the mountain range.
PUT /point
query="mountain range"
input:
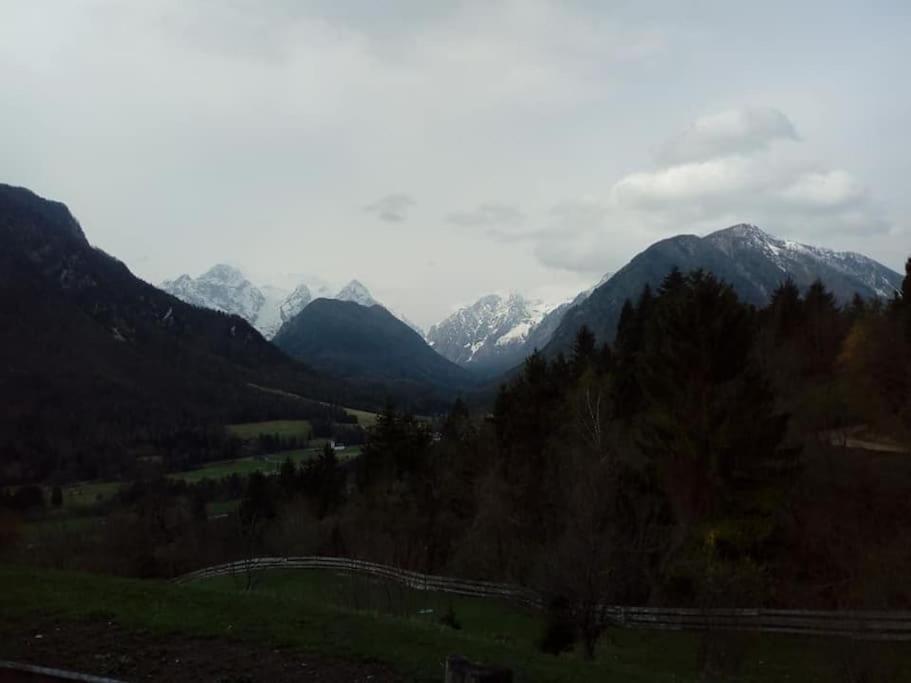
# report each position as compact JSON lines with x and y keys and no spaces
{"x":753,"y":262}
{"x":87,"y":335}
{"x":497,"y":332}
{"x":96,"y":360}
{"x":266,"y":307}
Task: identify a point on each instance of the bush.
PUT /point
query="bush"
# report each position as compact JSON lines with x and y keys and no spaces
{"x":449,"y":619}
{"x":560,"y":628}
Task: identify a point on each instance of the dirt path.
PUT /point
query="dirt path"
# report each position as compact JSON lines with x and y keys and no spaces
{"x":107,"y":649}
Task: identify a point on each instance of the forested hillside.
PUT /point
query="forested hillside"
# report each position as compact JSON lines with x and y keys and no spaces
{"x":101,"y":368}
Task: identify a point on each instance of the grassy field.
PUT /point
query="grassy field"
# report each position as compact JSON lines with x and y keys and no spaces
{"x":79,"y":498}
{"x":282,"y":428}
{"x":303,"y":612}
{"x":364,"y":419}
{"x":83,"y":495}
{"x":36,"y":530}
{"x":269,"y":464}
{"x":291,"y":428}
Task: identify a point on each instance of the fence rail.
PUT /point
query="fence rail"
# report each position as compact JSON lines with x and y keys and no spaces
{"x":867,"y":625}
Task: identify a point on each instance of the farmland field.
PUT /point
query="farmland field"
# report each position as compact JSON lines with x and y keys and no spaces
{"x":247,"y":431}
{"x":364,"y":419}
{"x":86,"y":494}
{"x":268,"y":464}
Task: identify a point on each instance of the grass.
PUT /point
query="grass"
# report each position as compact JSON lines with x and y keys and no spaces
{"x":310,"y":611}
{"x":499,"y":622}
{"x":364,"y":419}
{"x":36,"y":530}
{"x":637,"y":655}
{"x":248,"y":431}
{"x":268,"y":464}
{"x":84,"y":495}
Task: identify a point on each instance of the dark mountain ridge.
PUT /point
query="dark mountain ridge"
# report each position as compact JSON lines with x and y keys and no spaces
{"x":368,"y":344}
{"x":753,"y":262}
{"x":97,"y":361}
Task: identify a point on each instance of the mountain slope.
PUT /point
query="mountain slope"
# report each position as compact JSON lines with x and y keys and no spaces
{"x":753,"y":262}
{"x":763,"y":259}
{"x":490,"y":334}
{"x":366,"y":344}
{"x":224,"y":288}
{"x":356,"y":292}
{"x":496,"y":333}
{"x":95,"y":359}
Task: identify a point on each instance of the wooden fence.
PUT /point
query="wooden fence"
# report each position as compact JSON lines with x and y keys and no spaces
{"x":867,"y":625}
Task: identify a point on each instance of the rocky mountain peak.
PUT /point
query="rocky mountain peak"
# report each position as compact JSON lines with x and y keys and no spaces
{"x":356,"y":291}
{"x":224,"y":274}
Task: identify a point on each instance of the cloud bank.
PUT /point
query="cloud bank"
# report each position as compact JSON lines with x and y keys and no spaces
{"x":739,"y":165}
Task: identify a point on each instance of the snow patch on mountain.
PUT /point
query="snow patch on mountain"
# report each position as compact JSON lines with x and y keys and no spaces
{"x":746,"y":241}
{"x":358,"y":293}
{"x":492,"y":327}
{"x":269,"y":318}
{"x":221,"y":288}
{"x":295,"y":302}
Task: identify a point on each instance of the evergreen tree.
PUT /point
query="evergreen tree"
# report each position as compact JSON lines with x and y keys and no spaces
{"x":906,"y":299}
{"x":287,"y":477}
{"x":258,"y":504}
{"x":785,"y":310}
{"x":906,"y":283}
{"x":709,"y":423}
{"x":397,"y":449}
{"x":673,"y":283}
{"x":56,"y":497}
{"x":823,"y":329}
{"x":583,"y":348}
{"x":458,"y":422}
{"x":323,"y":480}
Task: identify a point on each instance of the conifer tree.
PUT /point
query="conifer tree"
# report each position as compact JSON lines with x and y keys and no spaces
{"x":709,"y":421}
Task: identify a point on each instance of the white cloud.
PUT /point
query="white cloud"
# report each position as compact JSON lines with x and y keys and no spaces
{"x":393,"y":208}
{"x":742,"y":165}
{"x":261,"y":130}
{"x":734,"y":131}
{"x":825,"y":190}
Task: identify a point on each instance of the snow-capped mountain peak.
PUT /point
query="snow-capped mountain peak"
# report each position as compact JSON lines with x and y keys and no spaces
{"x":491,"y":327}
{"x":355,"y":291}
{"x":295,"y":302}
{"x":224,"y":274}
{"x":225,"y":288}
{"x":222,"y":288}
{"x":746,"y":243}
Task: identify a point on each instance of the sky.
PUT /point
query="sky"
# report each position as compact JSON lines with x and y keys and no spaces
{"x":439,"y":151}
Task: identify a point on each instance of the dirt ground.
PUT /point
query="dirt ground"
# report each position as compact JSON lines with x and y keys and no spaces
{"x":107,"y":649}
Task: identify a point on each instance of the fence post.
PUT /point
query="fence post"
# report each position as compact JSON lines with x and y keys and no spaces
{"x":460,"y":670}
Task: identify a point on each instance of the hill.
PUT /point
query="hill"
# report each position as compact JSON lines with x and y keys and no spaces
{"x":367,"y":345}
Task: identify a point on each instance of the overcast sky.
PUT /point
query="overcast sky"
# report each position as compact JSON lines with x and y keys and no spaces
{"x":438,"y":151}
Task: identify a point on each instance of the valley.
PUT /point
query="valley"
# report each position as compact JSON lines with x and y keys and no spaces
{"x":668,"y":437}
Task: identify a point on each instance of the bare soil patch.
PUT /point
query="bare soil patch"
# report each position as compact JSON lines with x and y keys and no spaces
{"x":102,"y":648}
